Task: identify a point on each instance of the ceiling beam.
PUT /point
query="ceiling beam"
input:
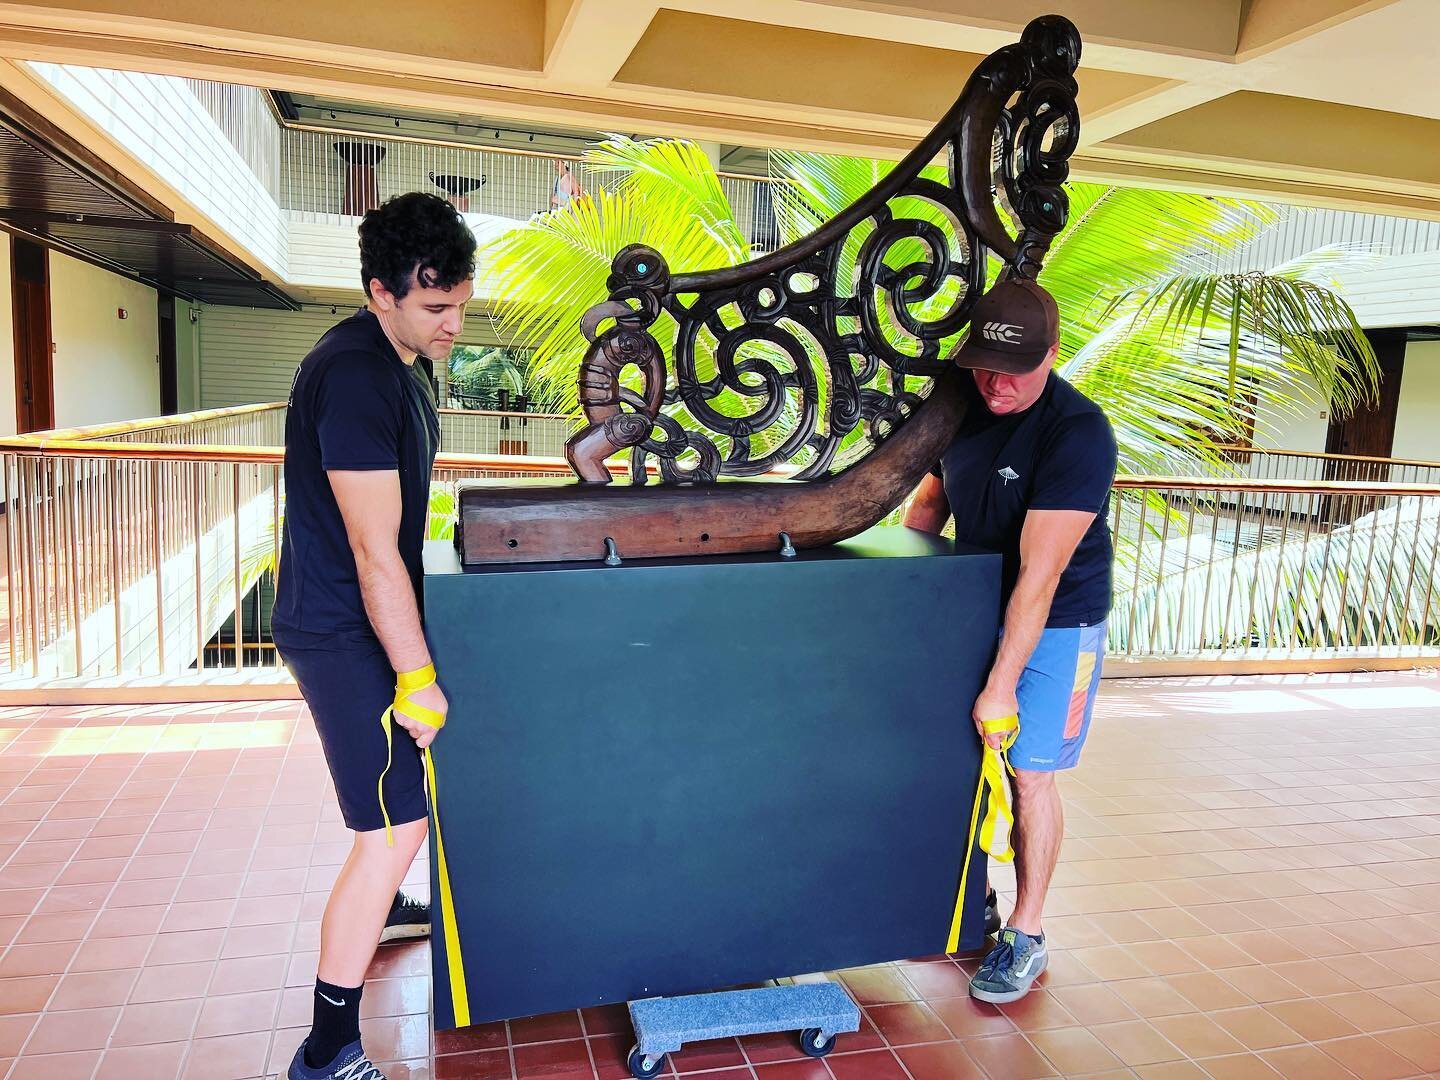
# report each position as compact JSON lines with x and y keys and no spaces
{"x":1272,"y":24}
{"x":805,"y":74}
{"x":1146,"y":107}
{"x":500,"y":35}
{"x":1201,"y":29}
{"x":588,"y":41}
{"x":1271,"y":134}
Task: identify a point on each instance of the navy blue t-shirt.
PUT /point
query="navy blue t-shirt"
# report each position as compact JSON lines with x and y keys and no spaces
{"x":1059,"y":454}
{"x":354,"y":405}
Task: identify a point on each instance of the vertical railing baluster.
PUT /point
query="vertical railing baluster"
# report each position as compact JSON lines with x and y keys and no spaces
{"x":196,"y":528}
{"x":235,"y":547}
{"x":74,"y":585}
{"x":155,"y":516}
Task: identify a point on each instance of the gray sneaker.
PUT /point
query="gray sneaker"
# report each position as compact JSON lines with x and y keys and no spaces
{"x":1010,"y":969}
{"x":349,"y":1064}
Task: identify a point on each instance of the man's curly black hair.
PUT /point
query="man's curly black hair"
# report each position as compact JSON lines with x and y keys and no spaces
{"x":413,"y":237}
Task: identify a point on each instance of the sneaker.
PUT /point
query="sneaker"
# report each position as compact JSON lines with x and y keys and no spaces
{"x":1008,"y":970}
{"x":349,"y":1064}
{"x":409,"y":920}
{"x":992,"y":913}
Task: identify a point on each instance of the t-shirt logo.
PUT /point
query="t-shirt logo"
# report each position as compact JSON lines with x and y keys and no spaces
{"x":1001,"y":331}
{"x":1008,"y":474}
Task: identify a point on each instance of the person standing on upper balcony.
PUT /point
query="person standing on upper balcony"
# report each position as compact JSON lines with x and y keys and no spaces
{"x":360,"y":442}
{"x":1029,"y":475}
{"x":567,"y":186}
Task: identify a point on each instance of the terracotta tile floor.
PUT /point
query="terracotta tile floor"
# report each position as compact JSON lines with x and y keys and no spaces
{"x":1250,"y":887}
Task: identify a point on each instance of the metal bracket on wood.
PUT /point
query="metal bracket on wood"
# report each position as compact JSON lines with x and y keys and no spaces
{"x":612,"y":557}
{"x":787,"y":549}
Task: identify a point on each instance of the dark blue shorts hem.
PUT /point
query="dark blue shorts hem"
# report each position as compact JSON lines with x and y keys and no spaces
{"x":347,"y":690}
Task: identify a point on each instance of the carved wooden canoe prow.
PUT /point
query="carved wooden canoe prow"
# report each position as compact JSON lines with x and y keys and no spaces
{"x":823,"y":319}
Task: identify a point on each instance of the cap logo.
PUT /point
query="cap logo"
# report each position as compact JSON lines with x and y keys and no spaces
{"x":1000,"y":331}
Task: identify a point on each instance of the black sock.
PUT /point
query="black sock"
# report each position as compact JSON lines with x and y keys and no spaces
{"x":336,"y":1024}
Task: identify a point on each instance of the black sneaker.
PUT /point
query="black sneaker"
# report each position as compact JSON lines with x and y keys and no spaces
{"x":992,"y":913}
{"x":409,"y":920}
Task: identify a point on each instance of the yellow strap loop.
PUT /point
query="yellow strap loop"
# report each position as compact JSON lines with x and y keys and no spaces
{"x":406,"y":684}
{"x":994,"y":841}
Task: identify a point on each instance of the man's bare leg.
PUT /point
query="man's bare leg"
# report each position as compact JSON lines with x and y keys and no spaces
{"x":350,"y":930}
{"x":360,"y":901}
{"x":1039,"y":828}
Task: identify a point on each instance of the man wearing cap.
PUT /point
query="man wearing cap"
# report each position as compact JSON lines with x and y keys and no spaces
{"x":1028,"y":475}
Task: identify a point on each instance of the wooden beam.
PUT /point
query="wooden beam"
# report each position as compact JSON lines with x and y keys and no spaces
{"x":588,"y":41}
{"x":1272,"y":24}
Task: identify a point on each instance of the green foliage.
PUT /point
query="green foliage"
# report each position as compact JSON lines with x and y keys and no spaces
{"x":483,"y":370}
{"x":1173,"y":354}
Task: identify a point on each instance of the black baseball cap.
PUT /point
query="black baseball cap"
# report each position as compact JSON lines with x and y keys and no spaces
{"x":1011,"y":329}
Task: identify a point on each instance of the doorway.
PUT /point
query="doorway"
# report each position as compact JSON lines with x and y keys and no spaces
{"x":34,"y":353}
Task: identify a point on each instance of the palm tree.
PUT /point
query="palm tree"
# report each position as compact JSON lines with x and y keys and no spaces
{"x":1168,"y":348}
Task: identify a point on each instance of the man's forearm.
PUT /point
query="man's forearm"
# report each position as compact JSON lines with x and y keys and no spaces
{"x":390,"y":603}
{"x":926,"y":518}
{"x":1025,"y":619}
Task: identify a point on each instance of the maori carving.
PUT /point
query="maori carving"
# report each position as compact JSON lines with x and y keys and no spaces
{"x":811,"y":356}
{"x":637,"y":278}
{"x":829,"y":358}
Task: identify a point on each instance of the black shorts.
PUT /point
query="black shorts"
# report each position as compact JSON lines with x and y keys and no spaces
{"x":347,"y":688}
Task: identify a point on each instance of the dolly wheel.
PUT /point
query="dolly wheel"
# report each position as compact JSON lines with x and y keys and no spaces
{"x":813,"y":1045}
{"x":643,"y":1066}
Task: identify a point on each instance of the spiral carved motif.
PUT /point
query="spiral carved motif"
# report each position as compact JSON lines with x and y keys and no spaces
{"x":815,"y":353}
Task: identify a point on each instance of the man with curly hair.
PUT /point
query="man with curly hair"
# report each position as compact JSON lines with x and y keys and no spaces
{"x":360,"y":441}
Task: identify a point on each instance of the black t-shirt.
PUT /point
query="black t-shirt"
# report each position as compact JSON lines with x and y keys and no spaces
{"x":1059,"y":454}
{"x":354,"y":405}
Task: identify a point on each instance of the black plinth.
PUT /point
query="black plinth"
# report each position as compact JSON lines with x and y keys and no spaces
{"x":679,"y":775}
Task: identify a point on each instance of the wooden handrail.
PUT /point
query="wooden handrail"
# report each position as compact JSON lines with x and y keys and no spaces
{"x":1313,"y":487}
{"x":126,"y":427}
{"x":267,"y":455}
{"x":95,"y":435}
{"x":275,"y":455}
{"x":1327,"y":457}
{"x":512,"y":415}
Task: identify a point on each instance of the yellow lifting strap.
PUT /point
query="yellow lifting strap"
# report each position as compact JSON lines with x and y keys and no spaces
{"x":994,"y":840}
{"x":408,"y":683}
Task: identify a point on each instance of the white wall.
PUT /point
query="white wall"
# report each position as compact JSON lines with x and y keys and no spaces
{"x":1417,"y":427}
{"x":1400,"y":290}
{"x":106,"y":368}
{"x":1302,"y":429}
{"x":249,"y":355}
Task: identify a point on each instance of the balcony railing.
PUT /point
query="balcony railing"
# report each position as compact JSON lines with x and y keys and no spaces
{"x":127,"y":559}
{"x":1275,"y":569}
{"x":130,"y":548}
{"x":1258,"y":463}
{"x":330,"y":176}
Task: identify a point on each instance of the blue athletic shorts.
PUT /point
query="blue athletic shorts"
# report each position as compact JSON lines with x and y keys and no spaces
{"x":1057,"y":695}
{"x":348,"y":688}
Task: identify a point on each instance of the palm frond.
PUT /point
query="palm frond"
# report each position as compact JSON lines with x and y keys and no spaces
{"x":1309,"y":327}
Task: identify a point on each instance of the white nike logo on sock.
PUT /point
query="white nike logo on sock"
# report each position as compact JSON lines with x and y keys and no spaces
{"x":327,"y":997}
